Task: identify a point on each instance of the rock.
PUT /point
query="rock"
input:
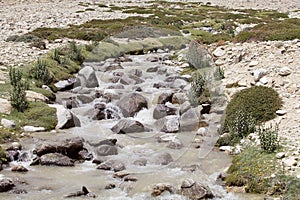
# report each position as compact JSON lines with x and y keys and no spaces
{"x":259,"y":73}
{"x":160,"y":188}
{"x":110,"y":186}
{"x":164,"y":98}
{"x":12,"y":155}
{"x":15,"y":146}
{"x":34,"y":96}
{"x":174,"y":142}
{"x":184,"y":107}
{"x":131,"y":104}
{"x":121,"y":175}
{"x":179,"y":98}
{"x":152,"y":69}
{"x":130,"y":178}
{"x":189,"y":121}
{"x":280,"y":155}
{"x":44,"y":148}
{"x":33,"y":129}
{"x":281,"y":112}
{"x":71,"y":147}
{"x":10,"y":124}
{"x":163,"y":159}
{"x":19,"y":168}
{"x":195,"y":190}
{"x":190,"y":168}
{"x":285,"y":71}
{"x":227,"y":149}
{"x":168,"y":124}
{"x":106,"y":150}
{"x":140,"y":162}
{"x":114,"y":165}
{"x":162,"y":110}
{"x":263,"y":80}
{"x":289,"y":162}
{"x":136,"y":72}
{"x":5,"y":106}
{"x":111,"y":142}
{"x":253,"y":63}
{"x":84,"y":99}
{"x":85,"y":155}
{"x":87,"y":78}
{"x":65,"y":84}
{"x":218,"y":52}
{"x":66,"y":119}
{"x":6,"y":184}
{"x":84,"y":192}
{"x":56,"y":159}
{"x":202,"y":131}
{"x":125,"y":80}
{"x":128,"y":126}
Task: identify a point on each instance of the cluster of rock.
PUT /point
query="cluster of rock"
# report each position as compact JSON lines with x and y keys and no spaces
{"x":273,"y":64}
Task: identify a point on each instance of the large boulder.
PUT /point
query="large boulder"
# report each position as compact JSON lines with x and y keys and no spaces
{"x":44,"y":148}
{"x":179,"y":98}
{"x":164,"y":98}
{"x":10,"y":124}
{"x":128,"y":126}
{"x":87,"y":78}
{"x":168,"y":124}
{"x":56,"y":159}
{"x":6,"y":184}
{"x":162,"y":110}
{"x":34,"y":96}
{"x":71,"y":147}
{"x":195,"y":191}
{"x":189,"y":121}
{"x":160,"y":188}
{"x":131,"y":104}
{"x":65,"y":84}
{"x":163,"y":159}
{"x":66,"y":119}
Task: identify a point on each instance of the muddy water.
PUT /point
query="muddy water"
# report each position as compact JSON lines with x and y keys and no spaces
{"x":44,"y":182}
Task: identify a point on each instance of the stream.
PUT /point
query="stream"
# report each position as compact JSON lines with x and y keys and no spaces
{"x":168,"y":151}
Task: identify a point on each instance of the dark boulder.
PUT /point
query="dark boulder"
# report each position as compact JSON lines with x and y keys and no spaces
{"x":128,"y":126}
{"x":114,"y":165}
{"x":131,"y":104}
{"x":162,"y":110}
{"x":6,"y":184}
{"x":164,"y":98}
{"x":56,"y":159}
{"x":106,"y":150}
{"x":195,"y":190}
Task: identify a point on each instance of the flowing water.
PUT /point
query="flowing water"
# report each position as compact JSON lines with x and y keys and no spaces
{"x":45,"y":182}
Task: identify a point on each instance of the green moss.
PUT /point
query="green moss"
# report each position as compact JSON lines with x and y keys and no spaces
{"x":38,"y":114}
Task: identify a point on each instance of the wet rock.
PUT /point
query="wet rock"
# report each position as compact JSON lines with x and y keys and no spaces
{"x":160,"y":188}
{"x":168,"y":124}
{"x":131,"y":104}
{"x":84,"y":99}
{"x":110,"y":186}
{"x":114,"y":165}
{"x":12,"y":155}
{"x":85,"y":155}
{"x":160,"y":85}
{"x":136,"y":72}
{"x":179,"y":98}
{"x":127,"y":81}
{"x":140,"y":162}
{"x":195,"y":190}
{"x":285,"y":71}
{"x":10,"y":124}
{"x":137,"y":79}
{"x":162,"y":110}
{"x":126,"y":186}
{"x":171,"y":139}
{"x":84,"y":192}
{"x":184,"y":107}
{"x":5,"y":106}
{"x":32,"y":129}
{"x":56,"y":159}
{"x":6,"y":184}
{"x":44,"y":148}
{"x":35,"y":161}
{"x":106,"y":150}
{"x":66,"y":119}
{"x":202,"y":131}
{"x":110,"y":142}
{"x":152,"y":69}
{"x":98,"y":161}
{"x":71,"y":147}
{"x":190,"y":168}
{"x":19,"y":168}
{"x":128,"y":126}
{"x":87,"y":78}
{"x":130,"y":178}
{"x":15,"y":146}
{"x":120,"y":175}
{"x":65,"y":84}
{"x":101,"y":111}
{"x":18,"y":191}
{"x":113,"y":66}
{"x":163,"y":159}
{"x":189,"y":121}
{"x":164,"y":98}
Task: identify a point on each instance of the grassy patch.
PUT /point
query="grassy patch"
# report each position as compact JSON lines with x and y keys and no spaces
{"x":38,"y":114}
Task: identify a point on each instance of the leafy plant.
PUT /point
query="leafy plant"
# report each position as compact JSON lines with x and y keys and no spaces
{"x":75,"y":53}
{"x":18,"y":92}
{"x":199,"y":93}
{"x":269,"y":140}
{"x":41,"y":73}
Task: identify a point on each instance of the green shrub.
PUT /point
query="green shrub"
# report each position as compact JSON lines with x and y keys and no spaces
{"x":250,"y":107}
{"x":18,"y":91}
{"x":269,"y":141}
{"x":199,"y":93}
{"x":219,"y":73}
{"x":55,"y":56}
{"x":75,"y":53}
{"x":41,"y":73}
{"x":197,"y":56}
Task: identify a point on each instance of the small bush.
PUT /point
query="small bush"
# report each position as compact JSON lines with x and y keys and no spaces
{"x":75,"y":53}
{"x":199,"y":93}
{"x":41,"y":73}
{"x":18,"y":92}
{"x":250,"y":107}
{"x":219,"y":73}
{"x":268,"y":138}
{"x":55,"y":56}
{"x":197,"y":56}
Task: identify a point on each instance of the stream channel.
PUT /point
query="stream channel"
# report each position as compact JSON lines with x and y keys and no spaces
{"x":141,"y":101}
